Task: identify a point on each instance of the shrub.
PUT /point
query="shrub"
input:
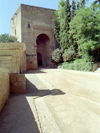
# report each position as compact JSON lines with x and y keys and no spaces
{"x":57,"y":55}
{"x":69,"y":55}
{"x":80,"y":66}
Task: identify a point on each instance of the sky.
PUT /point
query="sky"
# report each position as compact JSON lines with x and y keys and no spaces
{"x":9,"y":7}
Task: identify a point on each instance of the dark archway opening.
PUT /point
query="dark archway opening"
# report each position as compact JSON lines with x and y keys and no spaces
{"x":39,"y":59}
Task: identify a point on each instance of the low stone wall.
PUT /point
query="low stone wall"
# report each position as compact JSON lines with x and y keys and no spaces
{"x":95,"y":66}
{"x":10,"y":55}
{"x":4,"y":88}
{"x":17,"y":83}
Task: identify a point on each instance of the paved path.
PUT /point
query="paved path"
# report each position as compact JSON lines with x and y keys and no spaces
{"x":57,"y":101}
{"x":77,"y":108}
{"x":20,"y":114}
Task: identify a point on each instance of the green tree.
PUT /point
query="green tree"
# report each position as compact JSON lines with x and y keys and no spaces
{"x":64,"y":26}
{"x":86,"y":28}
{"x":82,"y":3}
{"x":78,"y":5}
{"x":58,"y":22}
{"x":73,"y":9}
{"x":72,"y":42}
{"x":56,"y":30}
{"x":5,"y":38}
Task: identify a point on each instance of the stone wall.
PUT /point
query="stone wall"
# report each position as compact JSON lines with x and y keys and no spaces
{"x":15,"y":24}
{"x":34,"y":21}
{"x":4,"y":88}
{"x":95,"y":66}
{"x":23,"y":64}
{"x":17,"y":83}
{"x":10,"y":55}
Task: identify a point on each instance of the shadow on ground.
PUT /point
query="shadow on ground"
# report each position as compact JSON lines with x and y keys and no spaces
{"x":32,"y":90}
{"x":37,"y":71}
{"x":17,"y":115}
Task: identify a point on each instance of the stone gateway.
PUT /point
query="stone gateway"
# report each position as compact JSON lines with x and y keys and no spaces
{"x":33,"y":26}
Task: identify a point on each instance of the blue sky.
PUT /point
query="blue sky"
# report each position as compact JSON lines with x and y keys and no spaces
{"x":9,"y":7}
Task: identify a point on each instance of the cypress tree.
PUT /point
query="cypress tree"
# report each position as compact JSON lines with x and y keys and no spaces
{"x":78,"y":5}
{"x":82,"y":3}
{"x":73,"y":7}
{"x":72,"y":42}
{"x":56,"y":30}
{"x":64,"y":27}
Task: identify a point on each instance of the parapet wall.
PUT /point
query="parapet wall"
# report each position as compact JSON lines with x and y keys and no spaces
{"x":38,"y":10}
{"x":17,"y":83}
{"x":4,"y":88}
{"x":10,"y":55}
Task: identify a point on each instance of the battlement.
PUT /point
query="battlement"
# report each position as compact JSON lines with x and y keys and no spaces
{"x":38,"y":10}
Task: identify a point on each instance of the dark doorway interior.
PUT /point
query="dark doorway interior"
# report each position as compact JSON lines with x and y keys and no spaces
{"x":42,"y":41}
{"x":39,"y":59}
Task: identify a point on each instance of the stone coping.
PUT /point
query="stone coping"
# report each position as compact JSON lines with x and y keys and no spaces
{"x":12,"y":46}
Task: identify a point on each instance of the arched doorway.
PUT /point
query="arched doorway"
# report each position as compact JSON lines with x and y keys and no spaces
{"x":39,"y":59}
{"x":42,"y":49}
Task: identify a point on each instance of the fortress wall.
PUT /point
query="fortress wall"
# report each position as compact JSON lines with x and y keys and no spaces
{"x":16,"y":24}
{"x":40,"y":20}
{"x":4,"y":88}
{"x":16,"y":27}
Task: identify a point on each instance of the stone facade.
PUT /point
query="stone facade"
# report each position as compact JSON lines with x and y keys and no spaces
{"x":10,"y":55}
{"x":4,"y":88}
{"x":30,"y":24}
{"x":17,"y":83}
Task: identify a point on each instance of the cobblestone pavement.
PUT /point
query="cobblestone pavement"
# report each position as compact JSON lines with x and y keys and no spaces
{"x":22,"y":114}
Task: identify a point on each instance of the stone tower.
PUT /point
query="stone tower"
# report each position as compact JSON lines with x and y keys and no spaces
{"x":33,"y":26}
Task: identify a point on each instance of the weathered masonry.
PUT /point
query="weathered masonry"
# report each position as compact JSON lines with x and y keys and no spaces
{"x":33,"y":26}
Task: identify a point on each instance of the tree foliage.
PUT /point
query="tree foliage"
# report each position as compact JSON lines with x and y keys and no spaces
{"x":86,"y":28}
{"x":69,"y":54}
{"x":78,"y":27}
{"x":5,"y":38}
{"x":57,"y":55}
{"x":56,"y":30}
{"x":64,"y":26}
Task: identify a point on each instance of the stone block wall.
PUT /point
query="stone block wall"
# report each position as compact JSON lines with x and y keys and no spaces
{"x":4,"y":88}
{"x":29,"y":22}
{"x":17,"y":83}
{"x":10,"y":55}
{"x":15,"y":24}
{"x":23,"y":64}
